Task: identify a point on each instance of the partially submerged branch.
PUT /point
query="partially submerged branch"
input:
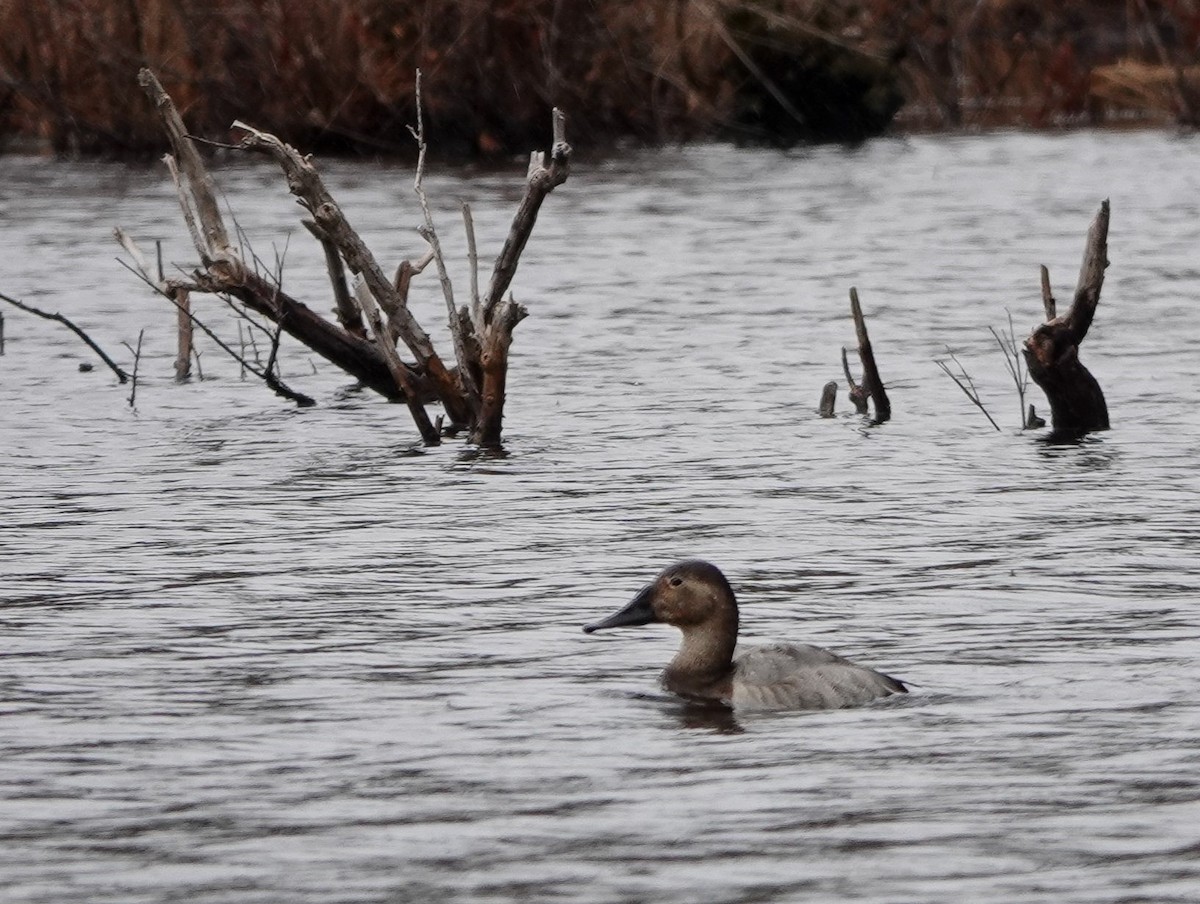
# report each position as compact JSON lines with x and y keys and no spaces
{"x":872,"y":382}
{"x":964,"y":382}
{"x":267,"y":376}
{"x":828,"y":399}
{"x":59,"y":318}
{"x":1014,"y":363}
{"x":473,"y":393}
{"x":857,"y":393}
{"x":1077,"y":404}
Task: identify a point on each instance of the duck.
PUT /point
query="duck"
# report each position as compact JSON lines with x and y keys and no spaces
{"x":695,"y":597}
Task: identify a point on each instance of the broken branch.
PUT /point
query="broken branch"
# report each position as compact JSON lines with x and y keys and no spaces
{"x":30,"y":309}
{"x":872,"y":382}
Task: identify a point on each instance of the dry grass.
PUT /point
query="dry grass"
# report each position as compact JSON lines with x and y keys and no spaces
{"x":338,"y":74}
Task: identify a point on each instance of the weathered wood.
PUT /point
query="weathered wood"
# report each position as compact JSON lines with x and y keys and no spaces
{"x":199,"y":182}
{"x":458,"y":332}
{"x":541,"y":181}
{"x":499,"y":316}
{"x":872,"y":382}
{"x":473,"y":394}
{"x":494,"y":364}
{"x":137,"y":357}
{"x":857,"y":393}
{"x":429,"y":433}
{"x":360,"y":358}
{"x":1077,"y":404}
{"x":1049,"y":305}
{"x":306,"y":184}
{"x":183,"y":352}
{"x":348,"y":314}
{"x":178,"y":292}
{"x":828,"y":399}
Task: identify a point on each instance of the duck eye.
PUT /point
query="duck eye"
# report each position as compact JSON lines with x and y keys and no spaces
{"x":676,"y":581}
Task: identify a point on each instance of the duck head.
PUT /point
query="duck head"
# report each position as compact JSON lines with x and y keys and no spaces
{"x":689,"y":594}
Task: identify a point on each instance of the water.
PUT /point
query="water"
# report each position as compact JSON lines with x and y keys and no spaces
{"x":255,"y":653}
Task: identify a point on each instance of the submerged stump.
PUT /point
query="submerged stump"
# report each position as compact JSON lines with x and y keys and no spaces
{"x":1077,"y":405}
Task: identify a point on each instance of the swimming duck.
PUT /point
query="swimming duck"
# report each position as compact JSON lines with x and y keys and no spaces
{"x":695,"y":597}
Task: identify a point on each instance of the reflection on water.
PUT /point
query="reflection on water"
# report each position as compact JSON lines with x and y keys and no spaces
{"x":258,"y":653}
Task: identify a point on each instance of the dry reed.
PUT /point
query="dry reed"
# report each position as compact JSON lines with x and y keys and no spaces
{"x":338,"y":74}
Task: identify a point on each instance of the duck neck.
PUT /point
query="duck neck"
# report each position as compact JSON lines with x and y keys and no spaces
{"x":704,"y":662}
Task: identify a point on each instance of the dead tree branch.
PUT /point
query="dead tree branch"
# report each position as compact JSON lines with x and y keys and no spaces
{"x":872,"y":382}
{"x":966,"y":384}
{"x":501,"y":315}
{"x":857,"y":393}
{"x":30,"y":309}
{"x":473,"y":393}
{"x":1051,"y":352}
{"x":1014,"y":362}
{"x":137,"y":357}
{"x":458,"y":331}
{"x":306,"y":184}
{"x":828,"y":399}
{"x":347,"y":311}
{"x":272,"y":380}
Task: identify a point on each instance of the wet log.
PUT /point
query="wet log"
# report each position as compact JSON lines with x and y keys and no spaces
{"x":872,"y":382}
{"x":1051,"y":352}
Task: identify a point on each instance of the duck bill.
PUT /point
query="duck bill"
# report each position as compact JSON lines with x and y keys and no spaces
{"x":639,"y":612}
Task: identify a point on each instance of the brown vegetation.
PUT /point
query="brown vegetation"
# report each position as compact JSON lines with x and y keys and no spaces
{"x":339,"y":75}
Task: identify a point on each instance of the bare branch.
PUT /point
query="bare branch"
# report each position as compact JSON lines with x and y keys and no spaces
{"x":305,"y":183}
{"x":347,"y":311}
{"x":966,"y":384}
{"x":872,"y":382}
{"x":400,"y":374}
{"x":137,"y":357}
{"x":857,"y":393}
{"x":473,"y":264}
{"x":1048,"y":303}
{"x":280,"y":389}
{"x":199,"y":183}
{"x":541,"y":181}
{"x":429,"y":233}
{"x":30,"y":309}
{"x":1091,"y":276}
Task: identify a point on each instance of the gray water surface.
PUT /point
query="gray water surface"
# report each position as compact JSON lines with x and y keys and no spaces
{"x":255,"y":653}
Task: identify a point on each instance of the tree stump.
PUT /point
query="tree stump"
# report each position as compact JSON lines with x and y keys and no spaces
{"x":1077,"y":405}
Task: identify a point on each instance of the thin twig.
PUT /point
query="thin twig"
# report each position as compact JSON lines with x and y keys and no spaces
{"x":137,"y":357}
{"x":966,"y":384}
{"x":1014,"y":361}
{"x":299,"y":398}
{"x":429,"y":233}
{"x":473,"y":263}
{"x":30,"y":309}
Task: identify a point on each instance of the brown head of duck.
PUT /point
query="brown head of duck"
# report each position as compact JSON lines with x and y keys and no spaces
{"x":695,"y":597}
